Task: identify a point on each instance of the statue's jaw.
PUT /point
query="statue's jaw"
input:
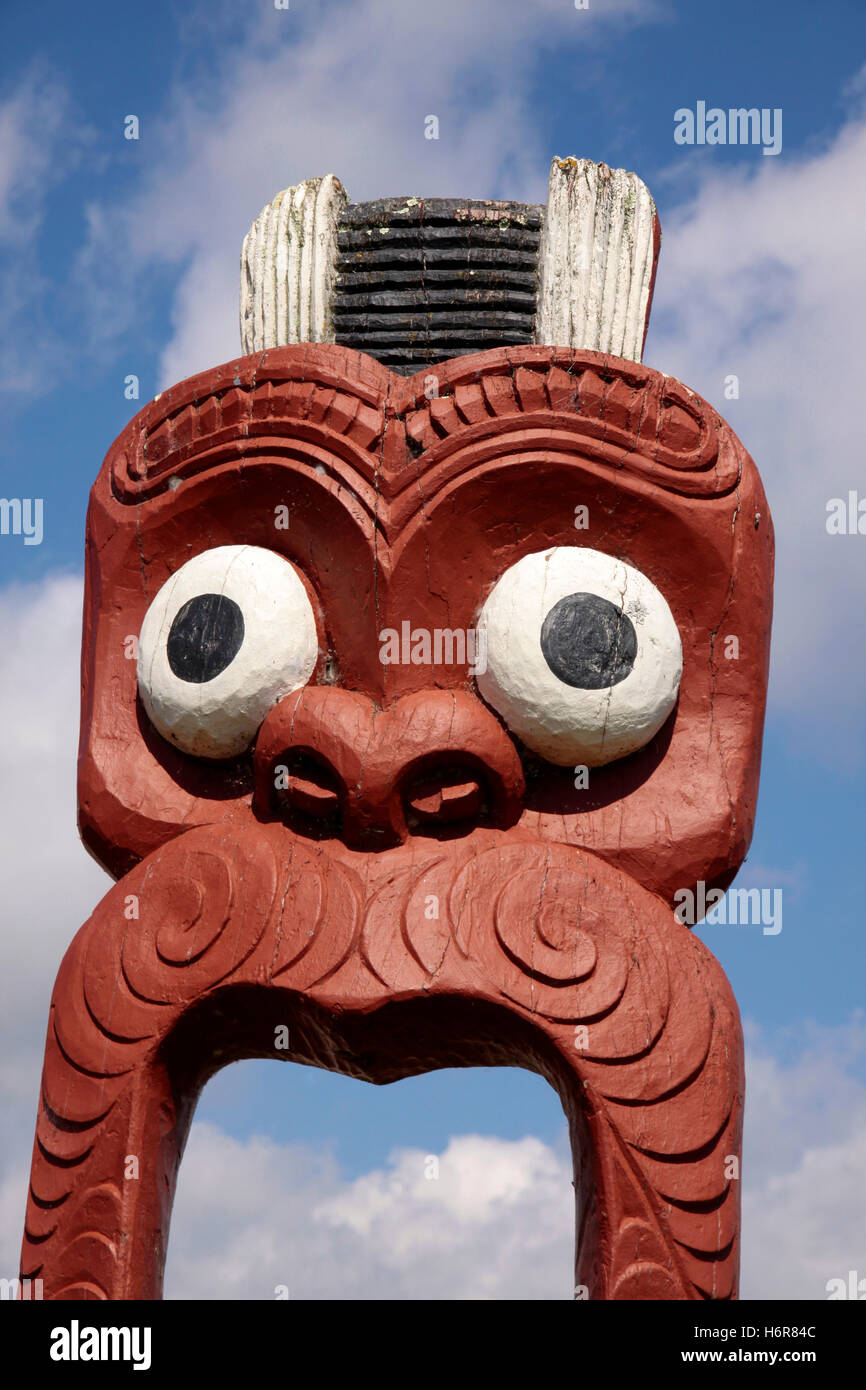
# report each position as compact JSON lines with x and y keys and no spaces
{"x":498,"y":949}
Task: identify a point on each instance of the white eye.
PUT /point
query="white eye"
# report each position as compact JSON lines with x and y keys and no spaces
{"x":227,"y":636}
{"x":583,"y":656}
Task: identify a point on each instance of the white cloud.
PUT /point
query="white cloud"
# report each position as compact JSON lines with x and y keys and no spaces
{"x":341,"y":88}
{"x":40,"y":143}
{"x":762,"y":275}
{"x":48,"y":884}
{"x":804,"y":1218}
{"x":496,"y":1223}
{"x":803,"y":1228}
{"x":34,"y":118}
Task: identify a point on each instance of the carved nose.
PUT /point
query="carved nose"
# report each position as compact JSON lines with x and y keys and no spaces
{"x":436,"y":763}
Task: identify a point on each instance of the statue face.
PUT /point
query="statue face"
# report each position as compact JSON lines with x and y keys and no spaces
{"x":522,"y":595}
{"x":419,"y":699}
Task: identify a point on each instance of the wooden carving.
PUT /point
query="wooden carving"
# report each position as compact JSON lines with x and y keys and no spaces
{"x":430,"y":720}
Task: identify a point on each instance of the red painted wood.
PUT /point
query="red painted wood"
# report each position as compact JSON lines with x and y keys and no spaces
{"x":553,"y":945}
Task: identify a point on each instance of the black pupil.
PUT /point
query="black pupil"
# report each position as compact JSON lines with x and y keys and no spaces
{"x":205,"y":637}
{"x":588,"y":642}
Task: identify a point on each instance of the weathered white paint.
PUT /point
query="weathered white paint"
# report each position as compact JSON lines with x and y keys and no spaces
{"x":565,"y":725}
{"x":220,"y":717}
{"x":288,"y":267}
{"x":595,"y":260}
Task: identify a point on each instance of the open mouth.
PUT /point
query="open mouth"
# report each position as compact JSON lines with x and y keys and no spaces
{"x":492,"y":949}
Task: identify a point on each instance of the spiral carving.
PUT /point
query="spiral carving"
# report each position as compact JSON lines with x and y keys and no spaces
{"x":406,"y":932}
{"x":318,"y":923}
{"x":636,"y":1006}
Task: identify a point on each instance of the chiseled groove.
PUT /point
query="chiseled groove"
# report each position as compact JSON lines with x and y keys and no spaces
{"x":628,"y":1103}
{"x":71,"y":1291}
{"x":451,"y":262}
{"x":57,"y":1162}
{"x":38,"y":1239}
{"x":709,"y":1256}
{"x":687,"y":1156}
{"x":414,"y":342}
{"x":100,"y":1027}
{"x":463,"y":273}
{"x":448,"y":317}
{"x":48,"y":1203}
{"x":705,"y":1206}
{"x":281,"y":266}
{"x":73,"y":1126}
{"x":457,"y":292}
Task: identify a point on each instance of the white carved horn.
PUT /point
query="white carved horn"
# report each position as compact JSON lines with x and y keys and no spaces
{"x":288,"y":267}
{"x":597,"y":259}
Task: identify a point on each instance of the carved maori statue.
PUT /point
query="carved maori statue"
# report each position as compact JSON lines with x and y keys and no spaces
{"x":430,"y":720}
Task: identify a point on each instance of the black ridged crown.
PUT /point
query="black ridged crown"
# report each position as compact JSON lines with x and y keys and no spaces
{"x":420,"y":280}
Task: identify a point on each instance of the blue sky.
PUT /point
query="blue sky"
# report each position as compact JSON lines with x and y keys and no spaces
{"x":120,"y":257}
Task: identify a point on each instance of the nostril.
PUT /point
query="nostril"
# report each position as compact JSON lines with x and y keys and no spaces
{"x":307,"y":786}
{"x":334,"y":766}
{"x":446,"y":803}
{"x":443,"y":795}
